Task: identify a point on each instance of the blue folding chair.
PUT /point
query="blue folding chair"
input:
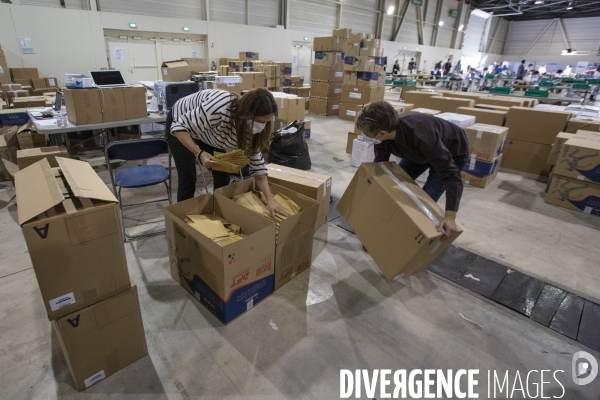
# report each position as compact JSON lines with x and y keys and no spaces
{"x":138,"y":176}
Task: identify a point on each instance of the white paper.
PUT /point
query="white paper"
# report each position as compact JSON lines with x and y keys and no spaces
{"x":479,"y":134}
{"x":294,"y":59}
{"x":351,"y":113}
{"x":472,"y":164}
{"x":51,"y":82}
{"x":62,"y":301}
{"x":26,"y":45}
{"x":336,"y":91}
{"x":588,"y":210}
{"x":339,"y":74}
{"x":165,"y":71}
{"x":45,"y":122}
{"x":581,"y":177}
{"x":97,"y":377}
{"x":355,"y":95}
{"x":118,"y":53}
{"x":194,"y":53}
{"x":250,"y":304}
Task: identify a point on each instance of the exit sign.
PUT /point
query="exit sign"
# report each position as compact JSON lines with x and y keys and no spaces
{"x":416,"y":2}
{"x":453,"y":13}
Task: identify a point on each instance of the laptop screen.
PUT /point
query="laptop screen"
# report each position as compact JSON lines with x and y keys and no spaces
{"x":58,"y":101}
{"x":109,"y":77}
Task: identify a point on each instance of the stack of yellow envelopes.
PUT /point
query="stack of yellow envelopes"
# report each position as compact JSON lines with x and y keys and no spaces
{"x":216,"y":228}
{"x":230,"y":162}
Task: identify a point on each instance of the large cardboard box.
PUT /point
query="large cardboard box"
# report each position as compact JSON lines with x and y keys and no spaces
{"x":419,"y":99}
{"x":324,"y":73}
{"x":324,"y":106}
{"x":30,"y":156}
{"x":293,"y":246}
{"x":8,"y":151}
{"x":350,"y":142}
{"x":15,"y":94}
{"x":326,"y":89}
{"x":360,"y":63}
{"x":486,"y":141}
{"x":561,"y":138}
{"x":38,"y":83}
{"x":330,"y":43}
{"x":315,"y":186}
{"x":574,"y":194}
{"x":70,"y":222}
{"x":371,"y":42}
{"x":372,"y":79}
{"x":175,"y":71}
{"x":370,"y":52}
{"x":350,"y":78}
{"x":344,"y":33}
{"x":230,"y":87}
{"x":352,"y":49}
{"x":448,"y":104}
{"x":102,"y":339}
{"x":84,"y":106}
{"x":362,"y":94}
{"x":252,"y":80}
{"x":480,"y":173}
{"x":501,"y":101}
{"x":579,"y":159}
{"x":113,"y":104}
{"x":228,"y":280}
{"x":290,"y":108}
{"x":397,"y":233}
{"x":332,"y":59}
{"x":9,"y":87}
{"x":574,"y":124}
{"x":403,"y":107}
{"x":14,"y":117}
{"x":197,"y":64}
{"x":41,"y":92}
{"x":349,"y":111}
{"x":18,"y":73}
{"x":526,"y":156}
{"x":249,"y":56}
{"x":489,"y":117}
{"x":135,"y":102}
{"x":358,"y":36}
{"x":537,"y":126}
{"x":29,"y":138}
{"x":29,"y":102}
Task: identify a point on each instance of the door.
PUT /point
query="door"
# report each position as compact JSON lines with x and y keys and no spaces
{"x":144,"y":60}
{"x":191,"y":49}
{"x":120,"y":57}
{"x":302,"y":58}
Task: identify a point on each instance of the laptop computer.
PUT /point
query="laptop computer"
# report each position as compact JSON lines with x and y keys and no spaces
{"x":108,"y":78}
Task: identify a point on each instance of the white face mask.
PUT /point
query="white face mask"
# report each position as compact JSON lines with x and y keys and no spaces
{"x":257,"y":127}
{"x":370,"y":141}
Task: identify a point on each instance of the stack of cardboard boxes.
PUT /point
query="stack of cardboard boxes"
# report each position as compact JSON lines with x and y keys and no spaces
{"x":90,"y":106}
{"x":575,"y":181}
{"x":364,"y":74}
{"x":327,"y":73}
{"x":486,"y":143}
{"x":71,"y":225}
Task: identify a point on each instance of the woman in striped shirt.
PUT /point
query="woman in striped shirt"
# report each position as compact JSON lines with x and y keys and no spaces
{"x":216,"y":120}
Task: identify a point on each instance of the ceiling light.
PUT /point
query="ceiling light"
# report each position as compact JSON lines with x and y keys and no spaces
{"x":390,"y":10}
{"x":441,"y":23}
{"x":133,"y":25}
{"x":176,"y":40}
{"x":460,"y":28}
{"x":570,"y":6}
{"x":306,"y":38}
{"x":404,"y":47}
{"x":122,"y":37}
{"x":539,"y":2}
{"x":187,"y":40}
{"x":137,"y":38}
{"x":186,"y":29}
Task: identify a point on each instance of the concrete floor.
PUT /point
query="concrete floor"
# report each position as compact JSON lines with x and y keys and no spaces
{"x":341,"y":313}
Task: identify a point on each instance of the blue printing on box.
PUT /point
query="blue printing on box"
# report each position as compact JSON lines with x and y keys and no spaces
{"x":76,"y":84}
{"x":249,"y":54}
{"x":592,"y":202}
{"x":500,"y":149}
{"x":248,"y":64}
{"x":307,"y":133}
{"x":368,"y":76}
{"x":237,"y":304}
{"x":248,"y":69}
{"x":16,"y":118}
{"x":349,"y":60}
{"x":287,"y":82}
{"x":287,"y":71}
{"x":319,"y":55}
{"x":380,"y":61}
{"x":286,"y":90}
{"x":593,"y":173}
{"x":482,"y":168}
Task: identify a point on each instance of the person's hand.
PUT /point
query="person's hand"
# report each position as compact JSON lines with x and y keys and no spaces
{"x":275,"y":208}
{"x":448,"y":225}
{"x":205,"y":159}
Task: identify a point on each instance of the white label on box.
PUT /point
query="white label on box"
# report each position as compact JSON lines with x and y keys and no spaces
{"x":51,"y":82}
{"x":587,"y":210}
{"x":337,"y":91}
{"x":250,"y":304}
{"x":479,"y":134}
{"x":328,"y":182}
{"x":467,"y":182}
{"x":581,"y":177}
{"x":339,"y":74}
{"x":355,"y":95}
{"x":94,"y":379}
{"x":62,"y":301}
{"x":351,"y":113}
{"x":231,"y":84}
{"x":165,"y":71}
{"x":472,"y":164}
{"x":473,"y":155}
{"x":335,"y":107}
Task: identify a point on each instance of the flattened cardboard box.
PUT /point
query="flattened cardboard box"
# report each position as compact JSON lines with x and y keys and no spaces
{"x":480,"y":173}
{"x":175,"y":71}
{"x":485,"y":141}
{"x":574,"y":194}
{"x":448,"y":104}
{"x":102,"y":339}
{"x":579,"y":159}
{"x":71,"y":225}
{"x":324,"y":106}
{"x":30,"y":156}
{"x":537,"y":126}
{"x":293,"y":250}
{"x":489,"y":117}
{"x":526,"y":157}
{"x":228,"y":280}
{"x":398,"y":234}
{"x":419,"y":99}
{"x":315,"y":186}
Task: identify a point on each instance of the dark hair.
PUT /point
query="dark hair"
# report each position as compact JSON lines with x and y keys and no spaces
{"x":255,"y":103}
{"x":377,"y":116}
{"x":523,"y":62}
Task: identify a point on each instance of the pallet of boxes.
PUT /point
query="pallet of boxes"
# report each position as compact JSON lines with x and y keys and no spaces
{"x":230,"y":253}
{"x":71,"y":225}
{"x":575,"y":180}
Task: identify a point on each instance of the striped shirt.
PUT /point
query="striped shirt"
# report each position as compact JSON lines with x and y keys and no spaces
{"x":207,"y":116}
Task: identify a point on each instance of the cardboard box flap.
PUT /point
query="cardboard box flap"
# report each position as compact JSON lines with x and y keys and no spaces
{"x":582,"y":142}
{"x":37,"y":190}
{"x":84,"y":182}
{"x":176,"y":63}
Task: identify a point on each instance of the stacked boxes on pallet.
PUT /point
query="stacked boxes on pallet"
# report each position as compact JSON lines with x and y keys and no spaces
{"x":71,"y":225}
{"x":327,"y":73}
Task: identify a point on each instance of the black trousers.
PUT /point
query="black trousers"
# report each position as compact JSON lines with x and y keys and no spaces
{"x":185,"y":164}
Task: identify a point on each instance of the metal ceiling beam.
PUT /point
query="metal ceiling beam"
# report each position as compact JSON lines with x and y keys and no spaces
{"x":539,"y":36}
{"x":457,"y":23}
{"x":207,"y":9}
{"x":339,"y":17}
{"x":493,"y":39}
{"x":401,"y":19}
{"x":380,"y":18}
{"x":563,"y":31}
{"x":420,"y":24}
{"x":507,"y":36}
{"x":551,"y":39}
{"x":436,"y":22}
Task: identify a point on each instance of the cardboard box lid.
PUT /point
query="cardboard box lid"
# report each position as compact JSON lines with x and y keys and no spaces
{"x":487,"y":128}
{"x":304,"y":177}
{"x":175,"y":64}
{"x":583,"y":143}
{"x":38,"y":191}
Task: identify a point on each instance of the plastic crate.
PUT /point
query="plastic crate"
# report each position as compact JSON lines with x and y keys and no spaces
{"x":594,"y":81}
{"x":490,"y":76}
{"x":547,"y":84}
{"x":502,"y":90}
{"x":581,"y":86}
{"x":568,"y":80}
{"x":536,"y":93}
{"x":389,"y":81}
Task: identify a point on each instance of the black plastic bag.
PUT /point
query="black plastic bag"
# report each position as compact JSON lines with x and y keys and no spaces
{"x":289,"y":148}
